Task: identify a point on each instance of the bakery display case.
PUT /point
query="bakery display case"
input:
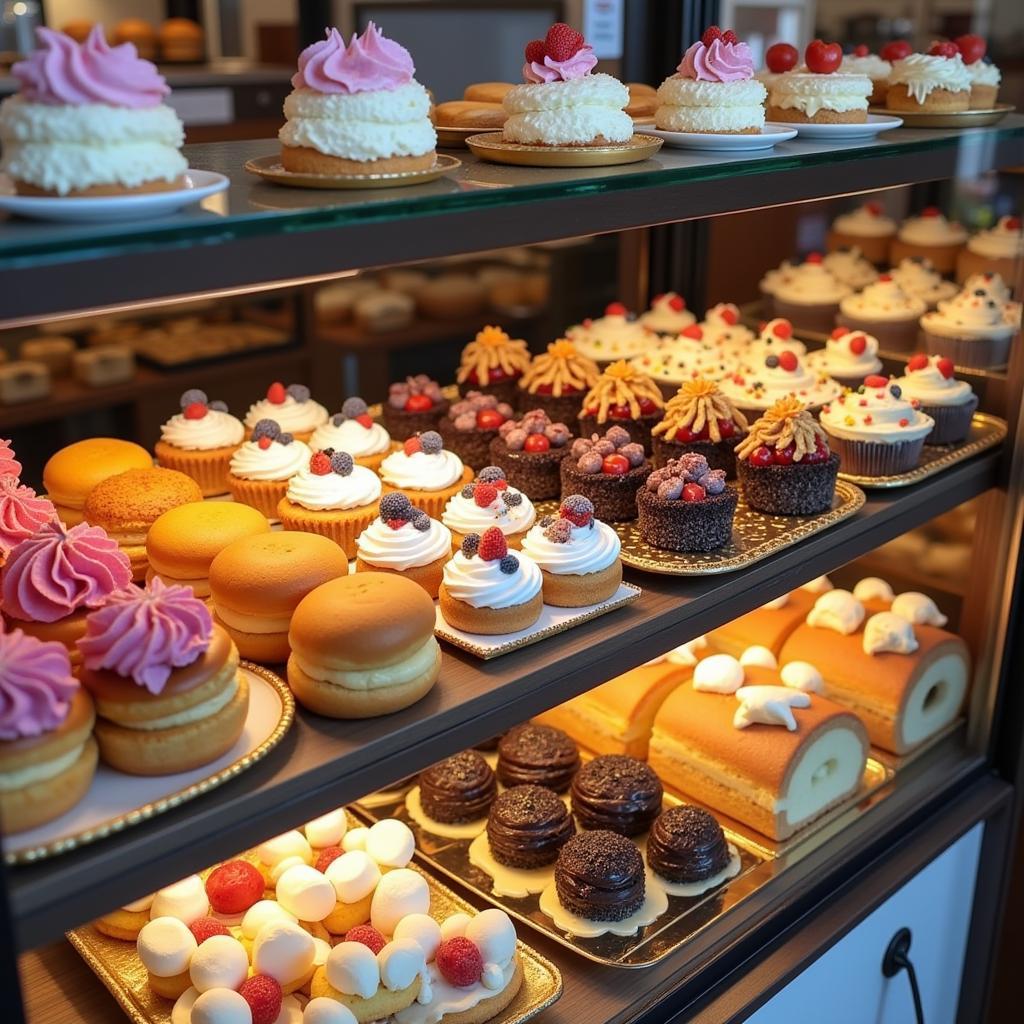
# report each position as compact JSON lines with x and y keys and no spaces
{"x":759,"y":740}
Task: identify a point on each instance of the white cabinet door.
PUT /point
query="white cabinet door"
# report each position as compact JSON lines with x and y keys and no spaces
{"x":845,"y":985}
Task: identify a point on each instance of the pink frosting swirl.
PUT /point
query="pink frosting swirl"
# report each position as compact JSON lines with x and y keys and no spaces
{"x":719,"y":62}
{"x":578,"y":65}
{"x":369,"y":63}
{"x":21,"y":513}
{"x":36,"y":685}
{"x":146,"y":634}
{"x":62,"y":71}
{"x":54,"y":573}
{"x":9,"y":465}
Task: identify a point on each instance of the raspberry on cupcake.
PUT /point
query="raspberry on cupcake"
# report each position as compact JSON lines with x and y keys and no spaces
{"x":290,"y":407}
{"x":199,"y":441}
{"x":700,"y":418}
{"x":848,"y":357}
{"x":530,"y":451}
{"x":472,"y":424}
{"x":426,"y":471}
{"x":263,"y":465}
{"x":353,"y":430}
{"x":625,"y":397}
{"x":785,"y":465}
{"x":607,"y":470}
{"x":951,"y":403}
{"x":414,"y":405}
{"x":616,"y":335}
{"x":686,"y":506}
{"x":492,"y":363}
{"x":578,"y":555}
{"x":489,"y":501}
{"x":489,"y":591}
{"x":667,"y":315}
{"x":557,"y":380}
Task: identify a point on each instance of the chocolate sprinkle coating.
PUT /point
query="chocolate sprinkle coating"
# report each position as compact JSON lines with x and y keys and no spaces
{"x":564,"y":409}
{"x":618,"y":793}
{"x":460,"y":788}
{"x":600,"y":876}
{"x":794,"y":490}
{"x":527,"y":827}
{"x":687,"y":845}
{"x":402,"y":425}
{"x":533,"y":473}
{"x":472,"y":446}
{"x":613,"y":497}
{"x":537,"y":755}
{"x":687,"y":525}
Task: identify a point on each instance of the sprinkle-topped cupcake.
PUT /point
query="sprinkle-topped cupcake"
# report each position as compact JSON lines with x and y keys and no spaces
{"x":683,"y":358}
{"x":998,"y":249}
{"x":754,"y":389}
{"x":809,"y":295}
{"x":917,"y":276}
{"x":721,"y":328}
{"x":867,"y":227}
{"x":930,"y":381}
{"x":700,"y":418}
{"x":414,"y":405}
{"x":849,"y":266}
{"x":785,"y":465}
{"x":931,"y":236}
{"x":886,"y":311}
{"x":626,"y":397}
{"x":616,"y":335}
{"x":472,"y":423}
{"x":848,"y":357}
{"x":608,"y":470}
{"x":291,"y":408}
{"x":200,"y":440}
{"x":353,"y":430}
{"x":426,"y":472}
{"x":529,"y":451}
{"x":974,"y":328}
{"x":557,"y":380}
{"x":489,"y":501}
{"x":492,"y":363}
{"x":668,"y":314}
{"x":263,"y":465}
{"x":774,"y":338}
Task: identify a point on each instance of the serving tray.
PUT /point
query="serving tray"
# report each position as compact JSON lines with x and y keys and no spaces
{"x":270,"y":169}
{"x":492,"y":146}
{"x":950,"y":119}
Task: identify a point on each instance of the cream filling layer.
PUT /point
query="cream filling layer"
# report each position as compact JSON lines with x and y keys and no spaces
{"x":568,"y":125}
{"x":935,"y":699}
{"x":398,"y":674}
{"x":709,"y":119}
{"x":260,"y":624}
{"x":829,"y":769}
{"x":196,"y":713}
{"x":22,"y":777}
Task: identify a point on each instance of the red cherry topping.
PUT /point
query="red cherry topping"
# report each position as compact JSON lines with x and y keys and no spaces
{"x":418,"y":403}
{"x":783,"y":456}
{"x":838,"y":332}
{"x":885,"y":277}
{"x":1012,"y":223}
{"x":813,"y":257}
{"x":693,"y":492}
{"x":368,"y":936}
{"x":677,"y":303}
{"x":265,"y":442}
{"x":783,"y":329}
{"x":535,"y":51}
{"x":395,"y":524}
{"x":615,"y":309}
{"x":459,"y":962}
{"x":320,"y":464}
{"x":536,"y":443}
{"x":904,"y":422}
{"x":821,"y":453}
{"x":730,"y":316}
{"x":917,"y":362}
{"x":365,"y":420}
{"x":874,"y":208}
{"x":711,"y":34}
{"x":781,"y":58}
{"x":276,"y":393}
{"x":263,"y":994}
{"x":485,"y":494}
{"x":647,"y":407}
{"x":685,"y":435}
{"x":761,"y":456}
{"x":823,"y":58}
{"x":728,"y":36}
{"x":412,"y":446}
{"x":562,"y":42}
{"x":972,"y":48}
{"x":896,"y":50}
{"x":489,"y":419}
{"x":875,"y":381}
{"x":931,"y":211}
{"x":726,"y":428}
{"x":326,"y":856}
{"x":195,"y":411}
{"x":788,"y":361}
{"x":946,"y":367}
{"x":692,"y":331}
{"x":861,"y":50}
{"x":236,"y":885}
{"x":857,"y":344}
{"x":615,"y":464}
{"x":206,"y":927}
{"x":493,"y":546}
{"x":945,"y":49}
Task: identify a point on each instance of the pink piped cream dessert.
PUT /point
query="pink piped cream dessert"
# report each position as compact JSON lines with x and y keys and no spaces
{"x":563,"y":103}
{"x":169,"y":695}
{"x":356,"y":109}
{"x":713,"y":90}
{"x":9,"y":464}
{"x":89,"y":119}
{"x":52,"y":579}
{"x":47,"y":752}
{"x":22,"y":512}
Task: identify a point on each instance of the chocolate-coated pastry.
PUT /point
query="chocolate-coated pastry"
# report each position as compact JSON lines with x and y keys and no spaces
{"x":527,"y":827}
{"x":687,"y":844}
{"x":537,"y":755}
{"x":460,"y":788}
{"x":618,"y":793}
{"x":600,"y":876}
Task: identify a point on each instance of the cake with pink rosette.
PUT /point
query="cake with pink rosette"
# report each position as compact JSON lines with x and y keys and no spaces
{"x":169,"y":694}
{"x":22,"y":512}
{"x":89,"y":120}
{"x":47,"y":753}
{"x":357,"y":109}
{"x":52,"y":579}
{"x":9,"y":465}
{"x":563,"y":103}
{"x":713,"y":90}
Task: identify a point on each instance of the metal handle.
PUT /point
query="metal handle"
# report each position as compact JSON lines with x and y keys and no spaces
{"x":896,"y":959}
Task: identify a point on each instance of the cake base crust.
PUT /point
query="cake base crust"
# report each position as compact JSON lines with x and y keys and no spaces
{"x":303,"y":160}
{"x":24,"y":188}
{"x":938,"y":101}
{"x":577,"y":591}
{"x":489,"y":621}
{"x":826,"y":116}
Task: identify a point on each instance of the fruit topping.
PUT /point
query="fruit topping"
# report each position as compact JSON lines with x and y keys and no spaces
{"x":509,"y":564}
{"x":562,"y":42}
{"x":615,"y":309}
{"x":368,"y":936}
{"x":459,"y":962}
{"x":558,"y":531}
{"x":299,"y":392}
{"x":783,"y":328}
{"x":191,"y":397}
{"x":838,"y":332}
{"x":485,"y":494}
{"x":512,"y":499}
{"x":493,"y":546}
{"x":931,"y":211}
{"x":421,"y":522}
{"x":204,"y":928}
{"x":536,"y":443}
{"x":266,"y":428}
{"x":693,"y":492}
{"x":917,"y":362}
{"x":234,"y":887}
{"x":534,"y":52}
{"x":946,"y":367}
{"x":264,"y":996}
{"x":823,"y":58}
{"x":409,"y":394}
{"x":285,"y":438}
{"x":677,"y":303}
{"x":479,"y":412}
{"x":943,"y":49}
{"x":728,"y":36}
{"x":875,"y":381}
{"x":579,"y":510}
{"x":971,"y":47}
{"x":861,"y":50}
{"x":858,"y":343}
{"x":489,"y":419}
{"x":711,"y":34}
{"x":195,"y":411}
{"x":342,"y":463}
{"x":412,"y":445}
{"x":276,"y":393}
{"x":320,"y":464}
{"x":489,"y":474}
{"x":781,"y":57}
{"x":615,"y":465}
{"x":470,"y":544}
{"x":396,"y":506}
{"x":326,"y":857}
{"x":788,"y":361}
{"x":693,"y":331}
{"x":418,"y":403}
{"x":896,"y":50}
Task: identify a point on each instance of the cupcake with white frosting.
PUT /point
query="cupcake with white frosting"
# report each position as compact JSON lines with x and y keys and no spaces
{"x":616,"y":335}
{"x":771,"y":281}
{"x":354,"y":430}
{"x":916,"y":275}
{"x":930,"y":382}
{"x":291,"y":408}
{"x":931,"y":236}
{"x":426,"y":472}
{"x":489,"y":501}
{"x":755,"y":388}
{"x":199,"y":441}
{"x":867,"y":227}
{"x":849,"y":267}
{"x":886,"y":311}
{"x":578,"y":555}
{"x":809,"y":296}
{"x":848,"y":357}
{"x":974,"y":328}
{"x":985,"y":76}
{"x":683,"y":358}
{"x":934,"y":82}
{"x":998,"y":250}
{"x":861,"y":61}
{"x":774,"y":338}
{"x":721,"y":328}
{"x":875,"y":430}
{"x":668,"y":314}
{"x":261,"y":467}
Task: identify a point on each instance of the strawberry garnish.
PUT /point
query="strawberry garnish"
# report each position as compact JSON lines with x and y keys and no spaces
{"x":693,"y":331}
{"x":711,"y":33}
{"x":615,"y":309}
{"x":788,"y":361}
{"x":320,"y":464}
{"x":276,"y":393}
{"x":562,"y":42}
{"x":412,"y":445}
{"x":946,"y":367}
{"x":485,"y":494}
{"x":365,"y":420}
{"x":917,"y":362}
{"x":535,"y":51}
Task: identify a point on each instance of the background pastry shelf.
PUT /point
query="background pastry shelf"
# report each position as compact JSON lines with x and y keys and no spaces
{"x":322,"y":763}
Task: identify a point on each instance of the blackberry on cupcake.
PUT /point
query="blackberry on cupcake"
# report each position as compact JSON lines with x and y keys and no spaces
{"x":472,"y":424}
{"x":600,"y":876}
{"x":458,"y":789}
{"x":699,"y":418}
{"x":626,"y":397}
{"x":608,"y":470}
{"x":618,"y":793}
{"x":414,"y":405}
{"x":530,"y":451}
{"x":527,"y":826}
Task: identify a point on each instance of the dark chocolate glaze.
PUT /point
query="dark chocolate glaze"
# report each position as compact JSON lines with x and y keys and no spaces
{"x":600,"y":876}
{"x":460,"y":788}
{"x":687,"y":844}
{"x":617,"y":793}
{"x":537,"y":755}
{"x":527,"y":826}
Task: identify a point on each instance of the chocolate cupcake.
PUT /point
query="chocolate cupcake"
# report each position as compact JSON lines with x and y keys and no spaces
{"x":700,"y":419}
{"x":625,"y":397}
{"x":493,"y":363}
{"x":785,"y":464}
{"x":527,"y":827}
{"x":471,"y":425}
{"x":687,"y":844}
{"x":413,"y":406}
{"x":617,"y":793}
{"x":537,"y":755}
{"x":686,"y":506}
{"x":530,"y":452}
{"x":609,"y":471}
{"x":460,"y":788}
{"x":557,"y":381}
{"x":600,"y":876}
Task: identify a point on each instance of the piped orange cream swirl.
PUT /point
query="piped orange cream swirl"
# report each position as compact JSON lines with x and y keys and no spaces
{"x":698,"y":404}
{"x":562,"y":369}
{"x":786,"y":423}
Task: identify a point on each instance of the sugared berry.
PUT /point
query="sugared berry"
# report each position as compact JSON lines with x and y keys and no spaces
{"x":484,"y":494}
{"x":234,"y":887}
{"x":771,"y":361}
{"x":206,"y":927}
{"x":578,"y":509}
{"x":412,"y":445}
{"x":263,"y":994}
{"x":490,"y":474}
{"x":395,"y":505}
{"x":509,"y":564}
{"x":493,"y":546}
{"x":192,"y":396}
{"x":342,"y":463}
{"x":693,"y":492}
{"x":320,"y":464}
{"x":512,"y":499}
{"x":195,"y":411}
{"x":299,"y":392}
{"x":468,"y":490}
{"x":459,"y":962}
{"x":217,"y":406}
{"x":421,"y":522}
{"x":430,"y":442}
{"x":285,"y":438}
{"x":353,"y":407}
{"x":615,"y":465}
{"x":471,"y":544}
{"x":265,"y":428}
{"x":368,"y":936}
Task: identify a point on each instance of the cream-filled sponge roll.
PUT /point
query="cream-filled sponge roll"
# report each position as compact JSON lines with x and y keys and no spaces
{"x":770,"y":755}
{"x":896,"y":670}
{"x":617,"y":717}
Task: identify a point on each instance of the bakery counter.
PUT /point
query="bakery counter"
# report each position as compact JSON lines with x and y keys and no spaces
{"x":321,"y":763}
{"x":254,"y":232}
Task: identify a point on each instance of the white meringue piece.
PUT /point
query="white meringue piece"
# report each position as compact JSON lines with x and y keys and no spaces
{"x":399,"y":893}
{"x":283,"y":950}
{"x":918,"y":608}
{"x":684,"y":654}
{"x":220,"y":962}
{"x":282,"y":866}
{"x":492,"y":978}
{"x":760,"y":656}
{"x":887,"y":633}
{"x":837,"y":610}
{"x":355,"y":839}
{"x":165,"y":946}
{"x":391,"y":843}
{"x":327,"y":830}
{"x":872,"y":588}
{"x":454,"y":926}
{"x":321,"y":951}
{"x":181,"y":1012}
{"x":327,"y":1011}
{"x":263,"y":912}
{"x":401,"y":962}
{"x":288,"y":844}
{"x":291,"y":1011}
{"x":186,"y":900}
{"x":137,"y":906}
{"x":354,"y":875}
{"x":306,"y":893}
{"x":819,"y":585}
{"x":353,"y":970}
{"x":803,"y":676}
{"x":721,"y":673}
{"x":768,"y":705}
{"x":493,"y":933}
{"x":220,"y":1006}
{"x":423,"y":930}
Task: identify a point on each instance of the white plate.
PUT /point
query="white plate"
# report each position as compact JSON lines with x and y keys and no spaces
{"x":769,"y":135}
{"x":98,"y":209}
{"x":875,"y":123}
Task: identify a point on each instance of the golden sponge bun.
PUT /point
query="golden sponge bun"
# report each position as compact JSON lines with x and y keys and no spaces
{"x":180,"y":28}
{"x":367,"y":620}
{"x":78,"y":29}
{"x":71,"y":473}
{"x":487,"y":92}
{"x":134,"y":30}
{"x":132,"y":501}
{"x":269,"y":574}
{"x":185,"y":540}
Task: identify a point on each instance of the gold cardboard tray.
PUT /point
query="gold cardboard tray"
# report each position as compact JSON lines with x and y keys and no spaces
{"x":454,"y":138}
{"x":754,"y":536}
{"x":30,"y":851}
{"x":117,"y":965}
{"x":269,"y":168}
{"x":986,"y":432}
{"x":949,"y":119}
{"x":492,"y":146}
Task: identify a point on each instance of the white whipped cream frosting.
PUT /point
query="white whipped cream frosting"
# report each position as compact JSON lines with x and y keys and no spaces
{"x":687,"y":105}
{"x":887,"y":633}
{"x":872,"y":588}
{"x":663,"y":319}
{"x":769,"y":705}
{"x":883,"y":300}
{"x":810,"y":93}
{"x":930,"y":387}
{"x":923,"y":73}
{"x":564,"y":113}
{"x":483,"y":584}
{"x":877,"y":415}
{"x":850,"y":268}
{"x":837,"y":359}
{"x":933,"y":230}
{"x":332,"y":490}
{"x":919,"y":277}
{"x":870,"y":64}
{"x":291,"y":416}
{"x":918,"y":609}
{"x":422,"y":471}
{"x":464,"y":515}
{"x":1004,"y":241}
{"x":864,"y":222}
{"x":984,"y":73}
{"x":837,"y":610}
{"x":810,"y":284}
{"x":215,"y":430}
{"x":352,"y":437}
{"x":609,"y":337}
{"x":760,"y":387}
{"x":971,"y":315}
{"x":587,"y":550}
{"x":278,"y":462}
{"x":404,"y":548}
